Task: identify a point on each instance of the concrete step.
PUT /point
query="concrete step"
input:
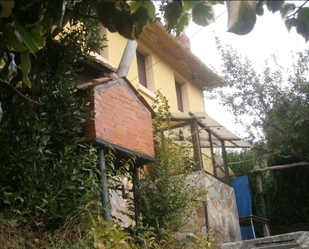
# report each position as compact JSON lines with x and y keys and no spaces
{"x":284,"y":241}
{"x":282,"y":246}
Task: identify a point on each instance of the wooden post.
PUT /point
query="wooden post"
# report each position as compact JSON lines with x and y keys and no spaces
{"x":196,"y":145}
{"x":212,"y":154}
{"x":259,"y":189}
{"x":226,"y":167}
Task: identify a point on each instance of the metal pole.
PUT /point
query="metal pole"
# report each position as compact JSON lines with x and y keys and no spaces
{"x":206,"y":217}
{"x":103,"y":179}
{"x":135,"y":195}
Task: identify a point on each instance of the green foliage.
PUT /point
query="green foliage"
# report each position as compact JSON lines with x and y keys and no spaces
{"x":48,"y":171}
{"x":165,"y":190}
{"x":25,"y":25}
{"x":242,"y":16}
{"x":203,"y":13}
{"x":278,"y":107}
{"x":108,"y":234}
{"x":286,"y":192}
{"x":276,"y":104}
{"x":202,"y":241}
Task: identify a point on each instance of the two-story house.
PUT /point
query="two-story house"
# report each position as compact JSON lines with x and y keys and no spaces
{"x":159,"y":61}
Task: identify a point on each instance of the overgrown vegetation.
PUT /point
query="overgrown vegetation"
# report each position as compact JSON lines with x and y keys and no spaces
{"x":48,"y":171}
{"x":276,"y":102}
{"x":49,"y":188}
{"x":166,"y":192}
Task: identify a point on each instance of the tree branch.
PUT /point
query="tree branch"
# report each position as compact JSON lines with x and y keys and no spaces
{"x":299,"y":8}
{"x":31,"y":100}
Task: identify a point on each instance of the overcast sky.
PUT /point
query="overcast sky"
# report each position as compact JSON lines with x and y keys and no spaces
{"x":269,"y":36}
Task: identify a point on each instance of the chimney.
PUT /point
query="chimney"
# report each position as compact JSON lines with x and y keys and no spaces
{"x":185,"y":41}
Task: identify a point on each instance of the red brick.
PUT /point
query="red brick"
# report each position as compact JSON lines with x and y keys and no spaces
{"x":132,"y":144}
{"x":108,"y":112}
{"x":140,"y":130}
{"x":140,"y":120}
{"x":114,"y":96}
{"x":118,"y":102}
{"x":117,"y":120}
{"x":129,"y":113}
{"x":98,"y":98}
{"x":119,"y":112}
{"x":131,"y":126}
{"x":106,"y":97}
{"x":129,"y":106}
{"x":130,"y":136}
{"x":120,"y":127}
{"x":109,"y":104}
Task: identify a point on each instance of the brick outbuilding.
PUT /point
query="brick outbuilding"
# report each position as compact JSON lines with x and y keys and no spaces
{"x":123,"y":118}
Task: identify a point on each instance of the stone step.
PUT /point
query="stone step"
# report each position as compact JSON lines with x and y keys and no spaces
{"x":295,"y":240}
{"x":282,"y":246}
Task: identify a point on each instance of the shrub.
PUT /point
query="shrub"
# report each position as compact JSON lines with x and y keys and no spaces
{"x":165,"y":191}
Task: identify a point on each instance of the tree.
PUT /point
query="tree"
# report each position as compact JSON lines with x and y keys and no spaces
{"x":277,"y":104}
{"x":167,"y":190}
{"x":49,"y":173}
{"x":25,"y":25}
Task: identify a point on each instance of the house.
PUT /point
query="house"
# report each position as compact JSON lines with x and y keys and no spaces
{"x":159,"y":61}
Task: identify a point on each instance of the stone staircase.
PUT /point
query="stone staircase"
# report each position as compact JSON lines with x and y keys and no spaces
{"x":294,"y":240}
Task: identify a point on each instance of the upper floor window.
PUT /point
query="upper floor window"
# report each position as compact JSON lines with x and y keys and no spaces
{"x":141,"y":67}
{"x":179,"y":96}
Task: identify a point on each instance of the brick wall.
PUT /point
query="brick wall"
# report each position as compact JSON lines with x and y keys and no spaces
{"x":120,"y":118}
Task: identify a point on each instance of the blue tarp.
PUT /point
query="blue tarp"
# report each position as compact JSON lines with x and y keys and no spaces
{"x":244,"y":202}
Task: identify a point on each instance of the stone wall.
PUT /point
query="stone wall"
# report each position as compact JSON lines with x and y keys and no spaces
{"x":221,"y":209}
{"x":120,"y":207}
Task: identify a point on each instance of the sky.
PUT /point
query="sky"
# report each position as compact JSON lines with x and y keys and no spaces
{"x":269,"y":36}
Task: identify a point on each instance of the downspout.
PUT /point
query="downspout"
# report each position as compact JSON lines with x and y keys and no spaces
{"x":103,"y":179}
{"x":126,"y":58}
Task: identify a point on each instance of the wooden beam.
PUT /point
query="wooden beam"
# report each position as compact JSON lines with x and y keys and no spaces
{"x":280,"y":167}
{"x":226,"y":167}
{"x":196,"y":145}
{"x":212,"y":154}
{"x":180,"y":125}
{"x":277,"y":167}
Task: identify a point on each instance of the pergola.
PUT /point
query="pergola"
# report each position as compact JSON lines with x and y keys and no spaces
{"x":198,"y":131}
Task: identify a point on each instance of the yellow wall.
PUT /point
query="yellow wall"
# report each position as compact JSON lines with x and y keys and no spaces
{"x":161,"y":74}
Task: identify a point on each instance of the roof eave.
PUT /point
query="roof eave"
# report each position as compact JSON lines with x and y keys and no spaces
{"x":189,"y":63}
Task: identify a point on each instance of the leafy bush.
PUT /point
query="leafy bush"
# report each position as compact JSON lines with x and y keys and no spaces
{"x":48,"y":171}
{"x":165,"y":191}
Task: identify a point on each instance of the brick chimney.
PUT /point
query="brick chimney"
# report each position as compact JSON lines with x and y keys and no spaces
{"x":185,"y":40}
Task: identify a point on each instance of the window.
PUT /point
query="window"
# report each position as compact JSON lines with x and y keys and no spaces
{"x":141,"y":67}
{"x":179,"y":96}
